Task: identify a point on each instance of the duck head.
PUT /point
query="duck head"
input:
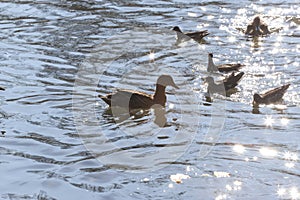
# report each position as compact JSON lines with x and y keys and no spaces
{"x":211,"y":67}
{"x":176,"y":28}
{"x":166,"y":80}
{"x":256,"y":21}
{"x":256,"y":99}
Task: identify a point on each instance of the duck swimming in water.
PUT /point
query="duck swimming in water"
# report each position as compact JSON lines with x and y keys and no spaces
{"x":257,"y":27}
{"x":211,"y":67}
{"x":135,"y":100}
{"x":197,"y":36}
{"x":271,"y":97}
{"x":226,"y":85}
{"x":1,"y":88}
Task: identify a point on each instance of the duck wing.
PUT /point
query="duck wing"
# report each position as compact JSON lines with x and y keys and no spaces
{"x":232,"y":80}
{"x":140,"y":100}
{"x":275,"y":94}
{"x":230,"y":67}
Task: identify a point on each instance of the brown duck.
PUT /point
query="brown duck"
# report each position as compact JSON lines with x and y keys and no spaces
{"x":211,"y":67}
{"x":138,"y":100}
{"x":271,"y":97}
{"x":257,"y":27}
{"x":226,"y":85}
{"x":197,"y":36}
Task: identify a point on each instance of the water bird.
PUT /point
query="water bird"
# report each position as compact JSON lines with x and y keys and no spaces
{"x":257,"y":27}
{"x":1,"y":88}
{"x":270,"y":97}
{"x":226,"y":85}
{"x":135,"y":100}
{"x":211,"y":67}
{"x":197,"y":36}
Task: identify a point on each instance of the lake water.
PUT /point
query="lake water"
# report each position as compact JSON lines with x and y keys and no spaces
{"x":59,"y":140}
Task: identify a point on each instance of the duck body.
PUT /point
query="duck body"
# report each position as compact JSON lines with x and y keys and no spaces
{"x":257,"y":28}
{"x":129,"y":99}
{"x":222,"y":68}
{"x":271,"y":97}
{"x":226,"y":85}
{"x":139,"y":100}
{"x":197,"y":36}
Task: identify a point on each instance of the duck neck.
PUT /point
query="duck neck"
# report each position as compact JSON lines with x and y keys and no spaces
{"x":257,"y":30}
{"x":159,"y":96}
{"x":211,"y":64}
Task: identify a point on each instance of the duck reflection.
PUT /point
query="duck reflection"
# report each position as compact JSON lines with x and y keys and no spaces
{"x":119,"y":115}
{"x":255,"y":110}
{"x":256,"y":42}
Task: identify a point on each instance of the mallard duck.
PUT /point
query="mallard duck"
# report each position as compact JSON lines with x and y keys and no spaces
{"x":227,"y":84}
{"x":197,"y":36}
{"x":135,"y":100}
{"x":211,"y":67}
{"x":271,"y":97}
{"x":257,"y":27}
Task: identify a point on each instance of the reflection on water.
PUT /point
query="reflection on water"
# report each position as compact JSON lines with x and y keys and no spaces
{"x":54,"y":130}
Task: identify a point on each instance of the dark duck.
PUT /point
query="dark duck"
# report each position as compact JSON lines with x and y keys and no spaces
{"x":135,"y":100}
{"x":272,"y":96}
{"x":257,"y":28}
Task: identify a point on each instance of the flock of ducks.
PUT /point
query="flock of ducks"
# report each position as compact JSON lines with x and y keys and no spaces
{"x":138,"y":100}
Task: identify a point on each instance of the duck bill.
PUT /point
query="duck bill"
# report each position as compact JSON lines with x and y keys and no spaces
{"x":175,"y":86}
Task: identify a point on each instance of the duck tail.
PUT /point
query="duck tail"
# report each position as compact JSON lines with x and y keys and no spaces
{"x":239,"y":76}
{"x":285,"y":87}
{"x":205,"y":33}
{"x":106,"y":99}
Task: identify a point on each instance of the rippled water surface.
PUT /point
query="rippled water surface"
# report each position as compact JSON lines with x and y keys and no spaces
{"x":59,"y":141}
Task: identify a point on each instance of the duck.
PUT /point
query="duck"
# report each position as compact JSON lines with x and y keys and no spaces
{"x":257,"y":28}
{"x":197,"y":36}
{"x":272,"y":96}
{"x":1,"y":88}
{"x":226,"y":84}
{"x":211,"y":67}
{"x":135,"y":100}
